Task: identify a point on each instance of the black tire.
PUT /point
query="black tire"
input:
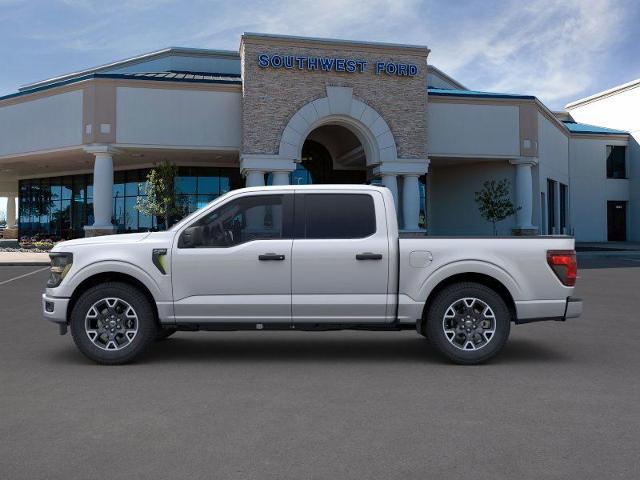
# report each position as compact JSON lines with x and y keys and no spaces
{"x":146,"y":323}
{"x":485,"y":349}
{"x":165,"y":332}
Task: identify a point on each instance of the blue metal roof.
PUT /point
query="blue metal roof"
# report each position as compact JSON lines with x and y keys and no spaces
{"x":575,"y":127}
{"x":188,"y":77}
{"x":444,"y":92}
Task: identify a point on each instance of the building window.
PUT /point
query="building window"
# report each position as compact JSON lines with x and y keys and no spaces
{"x":564,"y":204}
{"x":551,"y":205}
{"x":616,"y":161}
{"x":60,"y":207}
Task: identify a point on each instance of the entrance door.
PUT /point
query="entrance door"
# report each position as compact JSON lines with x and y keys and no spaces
{"x":318,"y":162}
{"x":340,"y":258}
{"x":234,"y":263}
{"x":617,"y":221}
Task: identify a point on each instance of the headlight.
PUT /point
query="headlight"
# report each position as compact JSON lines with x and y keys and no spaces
{"x":60,"y":266}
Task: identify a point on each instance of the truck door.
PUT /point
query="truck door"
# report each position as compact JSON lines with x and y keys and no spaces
{"x":234,"y":264}
{"x":340,"y":258}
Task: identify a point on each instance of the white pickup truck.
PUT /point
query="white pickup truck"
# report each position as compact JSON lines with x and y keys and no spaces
{"x":325,"y":257}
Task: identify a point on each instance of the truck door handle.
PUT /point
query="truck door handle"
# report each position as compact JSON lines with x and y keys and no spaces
{"x":369,"y":256}
{"x":270,"y":256}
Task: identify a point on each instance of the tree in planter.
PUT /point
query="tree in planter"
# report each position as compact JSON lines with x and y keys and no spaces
{"x":161,"y":199}
{"x":494,"y":202}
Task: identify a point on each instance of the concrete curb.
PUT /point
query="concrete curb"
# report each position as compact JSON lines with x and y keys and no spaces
{"x":24,"y":264}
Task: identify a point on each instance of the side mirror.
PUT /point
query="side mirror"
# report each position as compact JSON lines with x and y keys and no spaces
{"x":189,"y":237}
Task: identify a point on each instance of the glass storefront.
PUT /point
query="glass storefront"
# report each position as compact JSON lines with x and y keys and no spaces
{"x":60,"y":207}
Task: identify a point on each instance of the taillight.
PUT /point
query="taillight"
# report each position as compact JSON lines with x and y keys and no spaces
{"x":564,"y":265}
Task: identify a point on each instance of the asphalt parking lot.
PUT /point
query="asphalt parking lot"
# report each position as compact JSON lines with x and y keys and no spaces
{"x":562,"y":401}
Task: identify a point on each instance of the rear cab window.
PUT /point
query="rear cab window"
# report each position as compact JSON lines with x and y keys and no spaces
{"x":335,"y":215}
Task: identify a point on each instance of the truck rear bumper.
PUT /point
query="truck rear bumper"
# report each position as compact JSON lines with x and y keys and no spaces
{"x":574,"y":308}
{"x":540,"y":310}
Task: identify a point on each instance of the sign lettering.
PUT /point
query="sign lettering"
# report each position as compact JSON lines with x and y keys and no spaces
{"x":332,"y":64}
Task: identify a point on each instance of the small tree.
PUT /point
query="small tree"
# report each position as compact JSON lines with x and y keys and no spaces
{"x":160,"y":199}
{"x":494,"y":202}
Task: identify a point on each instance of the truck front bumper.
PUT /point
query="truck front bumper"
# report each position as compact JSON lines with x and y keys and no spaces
{"x":54,"y":309}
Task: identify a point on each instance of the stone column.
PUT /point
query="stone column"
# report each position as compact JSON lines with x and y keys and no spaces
{"x":102,"y":191}
{"x":11,"y":212}
{"x":524,"y":195}
{"x":390,"y":180}
{"x":410,"y":202}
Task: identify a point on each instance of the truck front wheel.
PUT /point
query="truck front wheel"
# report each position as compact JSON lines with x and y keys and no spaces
{"x":113,"y":323}
{"x":468,"y":322}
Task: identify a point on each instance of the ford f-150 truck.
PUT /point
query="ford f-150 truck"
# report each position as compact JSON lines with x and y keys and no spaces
{"x":323,"y":257}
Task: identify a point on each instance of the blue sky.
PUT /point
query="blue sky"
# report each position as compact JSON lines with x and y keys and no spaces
{"x":557,"y":50}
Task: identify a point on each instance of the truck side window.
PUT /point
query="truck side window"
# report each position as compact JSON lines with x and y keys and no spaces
{"x":258,"y":217}
{"x":338,"y":215}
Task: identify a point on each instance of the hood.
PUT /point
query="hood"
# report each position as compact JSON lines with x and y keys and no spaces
{"x":120,"y":239}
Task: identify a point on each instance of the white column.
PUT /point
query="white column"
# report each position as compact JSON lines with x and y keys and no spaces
{"x":524,"y":193}
{"x":410,"y":202}
{"x":102,"y":190}
{"x":280,"y":178}
{"x":254,"y":178}
{"x":255,"y":216}
{"x":390,"y":181}
{"x":11,"y":211}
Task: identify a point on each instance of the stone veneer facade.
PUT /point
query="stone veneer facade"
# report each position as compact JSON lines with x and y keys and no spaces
{"x":272,"y":96}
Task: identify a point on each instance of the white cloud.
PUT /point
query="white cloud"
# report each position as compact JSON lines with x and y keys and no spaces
{"x":547,"y":48}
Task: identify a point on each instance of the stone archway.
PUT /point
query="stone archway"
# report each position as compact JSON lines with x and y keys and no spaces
{"x":339,"y":107}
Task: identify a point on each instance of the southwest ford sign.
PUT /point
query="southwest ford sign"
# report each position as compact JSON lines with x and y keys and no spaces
{"x":334,"y":64}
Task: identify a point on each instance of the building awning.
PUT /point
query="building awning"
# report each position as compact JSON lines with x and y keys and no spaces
{"x":585,"y":128}
{"x":170,"y":76}
{"x":477,"y":94}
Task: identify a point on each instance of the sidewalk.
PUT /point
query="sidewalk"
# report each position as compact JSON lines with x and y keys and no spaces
{"x":608,"y":246}
{"x":23,"y":259}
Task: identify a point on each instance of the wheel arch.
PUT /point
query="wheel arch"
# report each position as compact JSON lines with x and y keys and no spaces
{"x":105,"y":277}
{"x":474,"y":277}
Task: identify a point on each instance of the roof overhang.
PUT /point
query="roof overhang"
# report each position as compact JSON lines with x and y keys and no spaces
{"x":145,"y":57}
{"x":606,"y":93}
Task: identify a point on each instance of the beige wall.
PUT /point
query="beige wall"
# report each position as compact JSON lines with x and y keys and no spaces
{"x":272,"y":96}
{"x":451,"y":197}
{"x":45,"y":123}
{"x":473,"y":129}
{"x":589,"y":189}
{"x":620,"y":110}
{"x":172,"y":117}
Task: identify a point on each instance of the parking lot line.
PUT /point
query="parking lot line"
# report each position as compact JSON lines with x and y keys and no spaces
{"x":24,"y":275}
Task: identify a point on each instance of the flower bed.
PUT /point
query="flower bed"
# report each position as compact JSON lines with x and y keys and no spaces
{"x":35,"y":244}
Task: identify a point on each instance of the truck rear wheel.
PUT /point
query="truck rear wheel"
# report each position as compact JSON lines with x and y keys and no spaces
{"x":113,"y":323}
{"x":468,"y":322}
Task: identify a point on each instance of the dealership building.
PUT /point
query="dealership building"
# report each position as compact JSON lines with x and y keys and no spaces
{"x":75,"y":149}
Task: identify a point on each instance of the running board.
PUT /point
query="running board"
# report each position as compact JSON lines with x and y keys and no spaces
{"x":306,"y":327}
